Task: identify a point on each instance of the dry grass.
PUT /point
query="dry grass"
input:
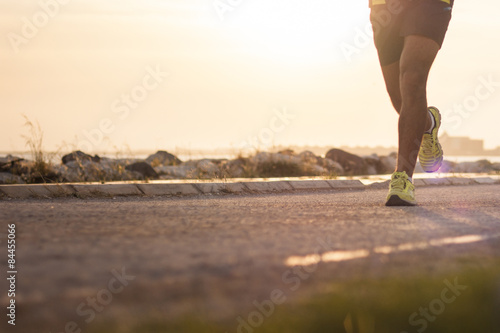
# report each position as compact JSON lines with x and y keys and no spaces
{"x":42,"y":170}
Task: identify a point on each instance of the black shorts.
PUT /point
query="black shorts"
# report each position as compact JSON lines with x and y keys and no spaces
{"x":397,"y":19}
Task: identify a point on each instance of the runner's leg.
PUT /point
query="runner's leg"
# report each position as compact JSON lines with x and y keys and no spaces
{"x":416,"y":60}
{"x":391,"y":78}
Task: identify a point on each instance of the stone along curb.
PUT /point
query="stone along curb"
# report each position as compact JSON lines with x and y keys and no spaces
{"x":168,"y":189}
{"x":189,"y":189}
{"x":111,"y":190}
{"x":207,"y":188}
{"x":106,"y":190}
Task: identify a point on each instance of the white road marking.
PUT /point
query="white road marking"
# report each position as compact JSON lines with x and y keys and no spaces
{"x":338,"y":256}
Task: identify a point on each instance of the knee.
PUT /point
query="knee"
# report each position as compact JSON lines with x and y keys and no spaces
{"x":413,"y":80}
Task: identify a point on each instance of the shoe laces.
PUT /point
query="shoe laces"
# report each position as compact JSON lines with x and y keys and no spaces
{"x":398,"y":181}
{"x":428,"y":144}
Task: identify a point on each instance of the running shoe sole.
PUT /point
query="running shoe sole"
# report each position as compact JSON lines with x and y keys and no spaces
{"x":395,"y":200}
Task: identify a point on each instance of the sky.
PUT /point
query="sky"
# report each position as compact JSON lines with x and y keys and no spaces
{"x":105,"y":75}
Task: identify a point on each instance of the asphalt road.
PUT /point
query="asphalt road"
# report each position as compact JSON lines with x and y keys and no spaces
{"x":81,"y":262}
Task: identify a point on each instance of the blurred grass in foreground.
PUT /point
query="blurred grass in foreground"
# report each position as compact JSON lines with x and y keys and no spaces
{"x":363,"y":306}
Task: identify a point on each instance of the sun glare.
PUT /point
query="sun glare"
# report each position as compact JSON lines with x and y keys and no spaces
{"x":297,"y":31}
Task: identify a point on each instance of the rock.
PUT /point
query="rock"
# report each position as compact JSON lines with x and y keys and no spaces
{"x":288,"y":152}
{"x":29,"y":171}
{"x":332,"y":167}
{"x":182,"y":171}
{"x":318,"y":170}
{"x":372,"y":159}
{"x":8,"y":162}
{"x":8,"y":178}
{"x":352,"y":164}
{"x":5,"y":167}
{"x":121,"y":161}
{"x":219,"y":161}
{"x":387,"y":164}
{"x":447,"y":167}
{"x":308,"y":157}
{"x":79,"y":156}
{"x":144,"y":169}
{"x":278,"y":165}
{"x":264,"y":157}
{"x":116,"y":169}
{"x":236,"y":168}
{"x":281,"y":164}
{"x":482,"y":166}
{"x":19,"y":167}
{"x":207,"y":169}
{"x":193,"y":169}
{"x":85,"y":171}
{"x":162,"y":157}
{"x":131,"y":175}
{"x":372,"y":164}
{"x":49,"y":176}
{"x":371,"y":170}
{"x":88,"y":171}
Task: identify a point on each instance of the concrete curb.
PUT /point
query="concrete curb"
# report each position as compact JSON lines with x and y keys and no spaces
{"x":191,"y":189}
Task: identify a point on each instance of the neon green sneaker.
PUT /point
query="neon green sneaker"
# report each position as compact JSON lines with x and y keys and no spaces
{"x":431,"y":153}
{"x":401,"y":191}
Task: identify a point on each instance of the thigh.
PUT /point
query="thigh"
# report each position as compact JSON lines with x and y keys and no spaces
{"x":428,"y":18}
{"x":418,"y":54}
{"x":387,"y":22}
{"x":398,"y":19}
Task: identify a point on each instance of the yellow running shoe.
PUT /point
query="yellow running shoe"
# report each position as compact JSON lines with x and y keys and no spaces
{"x":401,"y":191}
{"x":431,"y":153}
